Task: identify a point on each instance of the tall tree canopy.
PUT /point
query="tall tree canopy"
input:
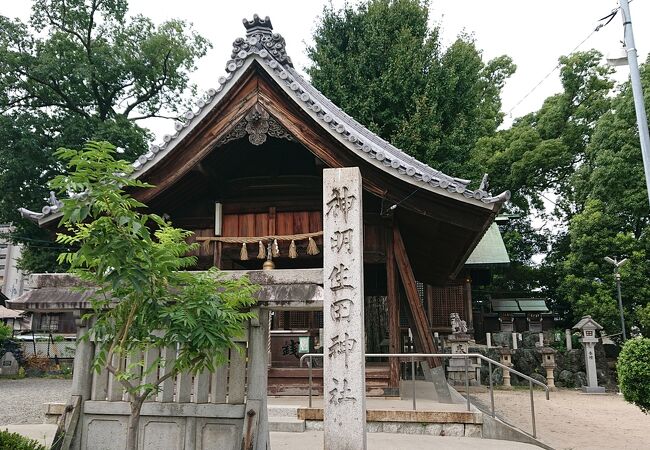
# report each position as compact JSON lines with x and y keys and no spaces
{"x":382,"y":64}
{"x":612,"y":219}
{"x":80,"y":70}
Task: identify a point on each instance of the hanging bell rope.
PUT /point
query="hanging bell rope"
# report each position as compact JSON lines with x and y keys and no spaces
{"x":293,"y":253}
{"x":243,"y":255}
{"x":312,"y":248}
{"x":261,"y":253}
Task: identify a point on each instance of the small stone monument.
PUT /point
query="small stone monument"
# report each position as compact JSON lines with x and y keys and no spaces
{"x":458,"y":341}
{"x":548,"y":362}
{"x":588,"y":327}
{"x":8,"y":364}
{"x":506,"y":360}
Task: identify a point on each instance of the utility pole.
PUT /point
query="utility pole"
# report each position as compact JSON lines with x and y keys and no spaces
{"x":637,"y":91}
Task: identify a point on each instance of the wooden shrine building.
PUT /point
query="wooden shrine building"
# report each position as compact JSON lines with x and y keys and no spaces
{"x":243,"y":171}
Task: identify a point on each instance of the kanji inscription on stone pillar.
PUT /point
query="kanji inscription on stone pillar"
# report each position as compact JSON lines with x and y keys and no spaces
{"x":344,"y":378}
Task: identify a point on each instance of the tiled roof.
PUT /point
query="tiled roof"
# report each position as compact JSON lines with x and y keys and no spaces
{"x":268,"y":49}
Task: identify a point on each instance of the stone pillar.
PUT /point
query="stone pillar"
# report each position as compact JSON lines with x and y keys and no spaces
{"x":488,"y":338}
{"x":514,"y":341}
{"x":548,"y":362}
{"x":82,"y":376}
{"x":344,"y":381}
{"x":506,"y":360}
{"x":258,"y":372}
{"x":569,"y":342}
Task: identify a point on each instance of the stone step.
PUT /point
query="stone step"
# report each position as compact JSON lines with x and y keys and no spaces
{"x":286,"y":424}
{"x":283,"y":411}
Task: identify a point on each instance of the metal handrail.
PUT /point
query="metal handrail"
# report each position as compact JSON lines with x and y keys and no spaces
{"x":465,"y":356}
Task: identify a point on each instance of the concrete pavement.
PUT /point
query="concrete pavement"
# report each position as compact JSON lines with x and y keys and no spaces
{"x":313,"y":440}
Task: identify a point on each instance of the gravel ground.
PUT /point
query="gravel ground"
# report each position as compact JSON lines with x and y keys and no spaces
{"x":571,"y":420}
{"x":22,"y":400}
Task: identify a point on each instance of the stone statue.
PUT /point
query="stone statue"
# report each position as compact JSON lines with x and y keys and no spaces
{"x":457,"y":325}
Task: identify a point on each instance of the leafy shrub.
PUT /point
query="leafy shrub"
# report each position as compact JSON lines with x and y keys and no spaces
{"x":5,"y":332}
{"x":14,"y":441}
{"x":633,"y":369}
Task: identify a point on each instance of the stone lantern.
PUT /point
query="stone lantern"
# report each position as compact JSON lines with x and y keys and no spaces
{"x":548,"y":362}
{"x":588,"y":327}
{"x":506,"y":360}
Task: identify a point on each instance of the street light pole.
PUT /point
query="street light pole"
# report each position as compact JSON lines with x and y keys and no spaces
{"x":617,"y":265}
{"x":620,"y":303}
{"x":637,"y":91}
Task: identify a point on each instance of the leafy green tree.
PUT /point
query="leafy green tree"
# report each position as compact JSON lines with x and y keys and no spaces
{"x":541,"y":152}
{"x":612,"y":219}
{"x":144,"y":299}
{"x":80,"y":70}
{"x":381,"y":63}
{"x":633,"y":368}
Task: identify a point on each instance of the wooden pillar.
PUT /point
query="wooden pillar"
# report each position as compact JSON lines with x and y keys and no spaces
{"x":393,"y":309}
{"x":421,"y":328}
{"x":468,"y":298}
{"x":218,"y":247}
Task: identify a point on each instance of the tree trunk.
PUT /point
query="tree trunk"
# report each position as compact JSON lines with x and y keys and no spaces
{"x":134,"y":423}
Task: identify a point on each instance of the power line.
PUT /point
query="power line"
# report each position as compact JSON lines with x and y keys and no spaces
{"x":608,"y":19}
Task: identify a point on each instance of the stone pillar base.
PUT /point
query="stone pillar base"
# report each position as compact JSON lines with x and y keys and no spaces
{"x":593,"y":390}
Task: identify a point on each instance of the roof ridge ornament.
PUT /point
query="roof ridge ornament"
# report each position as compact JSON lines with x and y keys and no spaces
{"x":258,"y":25}
{"x":261,"y":40}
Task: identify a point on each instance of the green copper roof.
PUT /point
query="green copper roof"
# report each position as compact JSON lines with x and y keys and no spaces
{"x":490,"y":250}
{"x":537,"y":305}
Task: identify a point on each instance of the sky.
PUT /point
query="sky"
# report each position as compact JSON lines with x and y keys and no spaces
{"x":533,"y":33}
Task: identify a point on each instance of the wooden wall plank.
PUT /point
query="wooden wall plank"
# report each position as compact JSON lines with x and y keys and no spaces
{"x":150,"y":358}
{"x":134,"y":366}
{"x":201,"y":387}
{"x":230,"y":225}
{"x":114,"y":387}
{"x":219,"y":384}
{"x":246,"y":225}
{"x":99,"y":388}
{"x":183,"y":387}
{"x":300,"y":222}
{"x":272,"y":220}
{"x":284,"y":221}
{"x":261,"y":224}
{"x":315,"y":221}
{"x":166,"y":393}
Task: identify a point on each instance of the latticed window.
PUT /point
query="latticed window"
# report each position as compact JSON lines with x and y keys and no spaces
{"x":446,"y":300}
